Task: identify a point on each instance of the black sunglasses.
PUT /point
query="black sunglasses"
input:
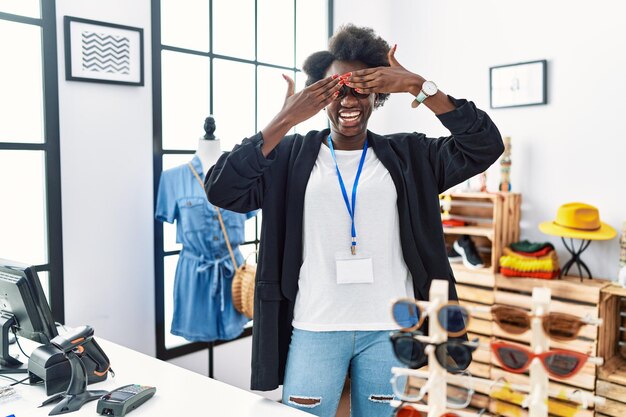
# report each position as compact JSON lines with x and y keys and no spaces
{"x":343,"y":91}
{"x":453,"y":355}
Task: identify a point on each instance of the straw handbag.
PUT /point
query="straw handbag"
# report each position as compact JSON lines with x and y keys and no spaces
{"x":243,"y":289}
{"x":243,"y":280}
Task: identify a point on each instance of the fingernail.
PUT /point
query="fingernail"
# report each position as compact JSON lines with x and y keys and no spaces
{"x":394,"y":47}
{"x":335,"y":94}
{"x":335,"y":76}
{"x":342,"y":81}
{"x":284,"y":76}
{"x":358,"y":90}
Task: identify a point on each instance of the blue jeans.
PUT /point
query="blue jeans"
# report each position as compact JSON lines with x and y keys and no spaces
{"x":317,"y":365}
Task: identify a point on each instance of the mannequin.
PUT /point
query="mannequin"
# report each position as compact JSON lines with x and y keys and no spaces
{"x":208,"y":145}
{"x":203,"y":309}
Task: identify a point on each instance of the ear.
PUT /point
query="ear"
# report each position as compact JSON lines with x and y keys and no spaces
{"x":376,"y":101}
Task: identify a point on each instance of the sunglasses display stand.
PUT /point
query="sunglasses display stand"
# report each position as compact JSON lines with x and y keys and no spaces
{"x":539,"y":343}
{"x":437,"y":374}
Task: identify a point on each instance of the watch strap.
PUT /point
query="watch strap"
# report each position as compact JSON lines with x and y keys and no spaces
{"x":421,"y":97}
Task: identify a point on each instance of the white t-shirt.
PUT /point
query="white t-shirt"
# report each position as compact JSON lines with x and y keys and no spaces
{"x":321,"y":303}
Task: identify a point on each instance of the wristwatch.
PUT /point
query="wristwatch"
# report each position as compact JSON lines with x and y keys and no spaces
{"x":429,"y":88}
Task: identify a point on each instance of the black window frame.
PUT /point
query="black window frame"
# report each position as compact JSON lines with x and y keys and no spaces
{"x":162,"y":351}
{"x":51,"y":149}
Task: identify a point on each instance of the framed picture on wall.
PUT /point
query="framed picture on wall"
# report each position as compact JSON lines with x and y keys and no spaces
{"x":103,"y":52}
{"x":516,"y":85}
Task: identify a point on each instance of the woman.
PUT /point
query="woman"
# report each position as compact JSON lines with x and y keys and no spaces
{"x":329,"y":265}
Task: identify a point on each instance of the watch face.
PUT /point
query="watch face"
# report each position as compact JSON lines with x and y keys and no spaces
{"x":429,"y":88}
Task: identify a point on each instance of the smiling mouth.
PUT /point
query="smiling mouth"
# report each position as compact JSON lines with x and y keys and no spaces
{"x":349,"y":117}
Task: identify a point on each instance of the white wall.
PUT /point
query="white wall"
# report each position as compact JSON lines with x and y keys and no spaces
{"x":569,"y":150}
{"x":107,"y":198}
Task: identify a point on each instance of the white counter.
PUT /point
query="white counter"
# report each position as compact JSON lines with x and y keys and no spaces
{"x":179,"y":392}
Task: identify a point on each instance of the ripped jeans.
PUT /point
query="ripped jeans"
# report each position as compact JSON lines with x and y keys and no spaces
{"x":317,"y":365}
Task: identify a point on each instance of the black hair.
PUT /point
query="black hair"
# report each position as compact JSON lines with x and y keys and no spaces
{"x":349,"y":43}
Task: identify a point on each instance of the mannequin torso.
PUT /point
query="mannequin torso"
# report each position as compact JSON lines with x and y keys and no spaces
{"x":208,"y":151}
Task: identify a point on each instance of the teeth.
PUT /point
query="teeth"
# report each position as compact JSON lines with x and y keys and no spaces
{"x":350,"y":115}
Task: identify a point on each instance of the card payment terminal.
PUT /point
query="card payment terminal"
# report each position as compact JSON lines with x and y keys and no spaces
{"x":124,"y":399}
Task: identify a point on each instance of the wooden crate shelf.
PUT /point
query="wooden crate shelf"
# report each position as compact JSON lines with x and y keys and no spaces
{"x":480,"y":277}
{"x":611,"y":381}
{"x":492,"y":221}
{"x":568,"y":288}
{"x":484,"y":231}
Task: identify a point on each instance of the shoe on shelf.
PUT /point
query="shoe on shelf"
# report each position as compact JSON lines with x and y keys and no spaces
{"x":469,"y":254}
{"x":454,"y":256}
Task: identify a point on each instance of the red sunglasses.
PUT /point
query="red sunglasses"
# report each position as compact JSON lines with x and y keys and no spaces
{"x":406,"y":410}
{"x":559,"y":363}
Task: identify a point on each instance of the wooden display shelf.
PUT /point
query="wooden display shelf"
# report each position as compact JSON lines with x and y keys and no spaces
{"x":611,"y":381}
{"x":484,"y":231}
{"x":483,"y":277}
{"x":570,"y":288}
{"x":492,"y":221}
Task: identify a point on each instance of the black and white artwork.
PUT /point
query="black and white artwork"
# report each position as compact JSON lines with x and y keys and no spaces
{"x":103,"y":52}
{"x":517,"y":85}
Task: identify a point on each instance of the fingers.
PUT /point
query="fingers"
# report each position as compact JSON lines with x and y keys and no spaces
{"x":291,"y":86}
{"x":363,"y":75}
{"x":392,"y":58}
{"x":365,"y":82}
{"x":325,"y":83}
{"x":325,"y":88}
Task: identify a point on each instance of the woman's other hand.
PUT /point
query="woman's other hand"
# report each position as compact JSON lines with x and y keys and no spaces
{"x":397,"y":79}
{"x":392,"y":79}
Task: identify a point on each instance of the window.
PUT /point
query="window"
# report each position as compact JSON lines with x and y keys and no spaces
{"x":225,"y":58}
{"x":30,"y":208}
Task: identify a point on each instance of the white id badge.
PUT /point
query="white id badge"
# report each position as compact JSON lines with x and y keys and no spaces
{"x":354,"y":269}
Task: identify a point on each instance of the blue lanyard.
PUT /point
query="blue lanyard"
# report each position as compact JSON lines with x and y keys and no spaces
{"x":351,"y":207}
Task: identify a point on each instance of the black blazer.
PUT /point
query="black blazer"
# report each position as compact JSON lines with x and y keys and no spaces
{"x":421,"y":168}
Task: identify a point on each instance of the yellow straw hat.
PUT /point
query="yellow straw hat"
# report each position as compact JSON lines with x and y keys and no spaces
{"x":578,"y":221}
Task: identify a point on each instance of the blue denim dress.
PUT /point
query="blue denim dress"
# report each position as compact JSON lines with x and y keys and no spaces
{"x":203,"y":307}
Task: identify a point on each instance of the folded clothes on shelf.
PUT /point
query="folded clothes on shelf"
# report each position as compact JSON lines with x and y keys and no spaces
{"x":529,"y":259}
{"x":507,"y":272}
{"x":530,"y":247}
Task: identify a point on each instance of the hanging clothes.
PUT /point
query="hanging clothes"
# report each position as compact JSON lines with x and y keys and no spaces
{"x":203,"y":308}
